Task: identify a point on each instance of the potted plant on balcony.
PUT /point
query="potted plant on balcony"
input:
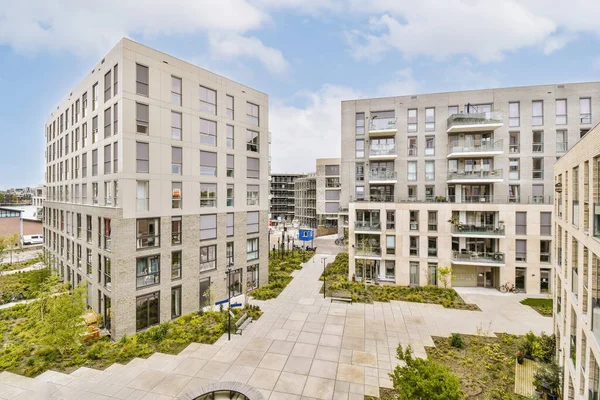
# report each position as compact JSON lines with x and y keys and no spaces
{"x":456,"y":223}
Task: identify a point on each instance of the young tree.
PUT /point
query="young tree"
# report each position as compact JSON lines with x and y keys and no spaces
{"x":8,"y":243}
{"x":422,"y":379}
{"x":444,"y":274}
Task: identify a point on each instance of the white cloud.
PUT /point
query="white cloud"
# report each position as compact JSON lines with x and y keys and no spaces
{"x":233,"y":46}
{"x":402,"y":84}
{"x":557,"y":42}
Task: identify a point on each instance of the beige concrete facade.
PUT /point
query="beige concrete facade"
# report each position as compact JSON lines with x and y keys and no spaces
{"x":485,"y":156}
{"x":577,"y":267}
{"x":155,"y":115}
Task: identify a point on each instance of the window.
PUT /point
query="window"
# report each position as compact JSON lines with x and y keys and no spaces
{"x":208,"y":194}
{"x":414,"y":273}
{"x":538,"y":193}
{"x":176,"y":195}
{"x":148,"y":271}
{"x":332,"y":170}
{"x":148,"y":233}
{"x":176,"y":265}
{"x":545,"y":251}
{"x":107,"y":121}
{"x":521,"y":250}
{"x":142,"y":196}
{"x":429,"y":171}
{"x":84,"y":105}
{"x":332,"y":195}
{"x":360,"y":172}
{"x":252,"y":138}
{"x":252,"y":168}
{"x":94,"y":99}
{"x":175,"y":302}
{"x":230,"y":223}
{"x":208,"y":258}
{"x":94,"y":193}
{"x":252,"y":195}
{"x":229,"y":254}
{"x":142,"y":157}
{"x":230,"y":137}
{"x":561,"y":112}
{"x":412,"y":146}
{"x":208,"y":163}
{"x":115,"y":118}
{"x":360,"y":148}
{"x":229,"y":107}
{"x":412,"y":193}
{"x":252,"y":276}
{"x":176,"y":90}
{"x":545,"y":223}
{"x":89,"y":268}
{"x":252,"y":249}
{"x":230,"y":164}
{"x":84,"y":135}
{"x":585,"y":110}
{"x":390,"y":244}
{"x":252,"y":222}
{"x":235,"y":287}
{"x":175,"y":125}
{"x":360,"y":123}
{"x":360,"y":193}
{"x":538,"y":168}
{"x":562,"y":144}
{"x":230,"y":195}
{"x":107,"y":159}
{"x":414,"y":220}
{"x":432,"y":221}
{"x":141,"y":80}
{"x":147,"y":311}
{"x":176,"y":230}
{"x":116,"y":80}
{"x":252,"y":113}
{"x":513,"y":145}
{"x":176,"y":160}
{"x":107,"y":273}
{"x":537,"y":113}
{"x":94,"y":163}
{"x":208,"y":132}
{"x":78,"y":226}
{"x":208,"y":226}
{"x":538,"y":141}
{"x":208,"y":100}
{"x":513,"y":169}
{"x":432,"y":247}
{"x":521,"y":223}
{"x":84,"y":165}
{"x":108,"y":193}
{"x":412,"y":171}
{"x":142,"y":116}
{"x":429,"y":145}
{"x":414,"y":246}
{"x":514,"y":114}
{"x":88,"y":227}
{"x":514,"y":194}
{"x":412,"y":120}
{"x":429,"y":119}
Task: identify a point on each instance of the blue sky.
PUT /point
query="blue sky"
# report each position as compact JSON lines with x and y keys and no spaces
{"x":308,"y":55}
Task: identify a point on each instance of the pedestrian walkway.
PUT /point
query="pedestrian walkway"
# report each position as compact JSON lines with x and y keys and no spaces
{"x":303,"y":347}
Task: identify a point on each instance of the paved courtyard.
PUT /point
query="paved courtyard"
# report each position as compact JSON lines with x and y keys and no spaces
{"x":303,"y":347}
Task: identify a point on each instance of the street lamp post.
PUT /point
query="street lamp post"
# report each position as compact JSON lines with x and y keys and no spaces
{"x":228,"y":272}
{"x":324,"y":259}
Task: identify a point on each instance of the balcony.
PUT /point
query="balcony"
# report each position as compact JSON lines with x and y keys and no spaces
{"x":491,"y":231}
{"x":461,"y":150}
{"x":475,"y":176}
{"x":549,"y":200}
{"x":384,"y":176}
{"x":383,"y":126}
{"x":368,"y":252}
{"x":475,"y":122}
{"x":367,"y":227}
{"x":474,"y":258}
{"x":383,"y":152}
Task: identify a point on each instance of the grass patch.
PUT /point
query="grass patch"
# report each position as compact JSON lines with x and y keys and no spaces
{"x":542,"y":306}
{"x":337,"y":281}
{"x":22,"y":285}
{"x":21,"y":353}
{"x":22,"y":264}
{"x":485,"y":365}
{"x":280,"y":273}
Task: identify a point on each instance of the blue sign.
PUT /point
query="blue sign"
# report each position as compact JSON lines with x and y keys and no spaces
{"x":235,"y":305}
{"x":221,"y":302}
{"x":306,"y":234}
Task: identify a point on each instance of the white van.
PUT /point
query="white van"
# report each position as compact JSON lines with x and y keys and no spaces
{"x":33,"y":239}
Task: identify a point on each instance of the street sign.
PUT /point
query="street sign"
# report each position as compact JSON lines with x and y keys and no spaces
{"x":221,"y":302}
{"x":235,"y":305}
{"x":231,"y":314}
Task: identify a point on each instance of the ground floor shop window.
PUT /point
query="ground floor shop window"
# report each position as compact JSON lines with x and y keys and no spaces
{"x":252,"y":276}
{"x":147,"y":311}
{"x":432,"y":274}
{"x":520,"y":278}
{"x":176,"y":302}
{"x":414,"y":273}
{"x":235,"y":283}
{"x":205,"y":299}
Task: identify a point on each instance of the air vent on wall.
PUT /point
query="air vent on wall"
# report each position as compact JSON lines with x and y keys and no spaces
{"x":413,"y":97}
{"x":166,"y":62}
{"x":561,"y":86}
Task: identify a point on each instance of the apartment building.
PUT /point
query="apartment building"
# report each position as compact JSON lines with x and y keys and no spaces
{"x":577,"y":267}
{"x":328,"y":192}
{"x":156,"y":187}
{"x":460,"y":179}
{"x":305,"y":200}
{"x":282,"y":198}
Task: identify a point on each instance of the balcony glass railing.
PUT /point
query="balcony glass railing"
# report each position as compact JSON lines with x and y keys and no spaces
{"x":367,"y":251}
{"x":383,"y":150}
{"x":459,"y":200}
{"x":383,"y":124}
{"x":383,"y":175}
{"x":367,"y":226}
{"x":473,"y":256}
{"x":475,"y":175}
{"x":461,"y":147}
{"x":467,"y":229}
{"x":484,"y":118}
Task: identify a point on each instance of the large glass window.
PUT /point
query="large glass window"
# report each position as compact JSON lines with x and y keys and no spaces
{"x":545,"y":223}
{"x":514,"y":114}
{"x":252,"y":113}
{"x":176,"y":195}
{"x":545,"y":251}
{"x":432,"y":274}
{"x":230,"y":195}
{"x":360,"y":148}
{"x":208,"y":100}
{"x":561,"y":112}
{"x":252,"y":249}
{"x":230,"y":165}
{"x":176,"y":230}
{"x":252,"y":272}
{"x":252,"y":195}
{"x":230,"y":107}
{"x":252,"y":168}
{"x":147,"y":311}
{"x":538,"y":168}
{"x":230,"y":224}
{"x":412,"y":120}
{"x":176,"y":160}
{"x":513,"y":169}
{"x":412,"y":171}
{"x":562,"y":141}
{"x":521,"y":250}
{"x":208,"y":163}
{"x":142,"y":202}
{"x":414,"y":273}
{"x":230,"y":137}
{"x":235,"y":283}
{"x":176,"y":90}
{"x":208,"y":258}
{"x":429,"y":171}
{"x":537,"y":113}
{"x":585,"y":110}
{"x":360,"y":123}
{"x":208,"y":227}
{"x":252,"y":140}
{"x":148,"y":233}
{"x":175,"y":125}
{"x":208,"y":132}
{"x":148,"y":271}
{"x":521,"y":223}
{"x":142,"y":157}
{"x":252,"y":222}
{"x":208,"y":195}
{"x":430,"y":119}
{"x":142,"y":118}
{"x":141,"y":80}
{"x":175,"y":302}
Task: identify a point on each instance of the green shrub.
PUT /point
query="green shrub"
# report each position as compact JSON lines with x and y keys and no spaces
{"x":97,"y":350}
{"x":456,"y":340}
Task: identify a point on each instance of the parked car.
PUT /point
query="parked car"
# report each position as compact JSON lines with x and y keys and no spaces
{"x":33,"y":239}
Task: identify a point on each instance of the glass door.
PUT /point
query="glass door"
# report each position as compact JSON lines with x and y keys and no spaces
{"x":544,"y":280}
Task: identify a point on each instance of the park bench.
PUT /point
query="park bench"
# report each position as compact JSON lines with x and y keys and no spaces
{"x":341,"y":297}
{"x":242,"y":323}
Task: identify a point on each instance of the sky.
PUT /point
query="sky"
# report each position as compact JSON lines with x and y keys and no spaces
{"x":307,"y":55}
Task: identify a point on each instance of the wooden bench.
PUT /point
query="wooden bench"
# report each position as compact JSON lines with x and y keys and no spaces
{"x":341,"y":297}
{"x":242,"y":323}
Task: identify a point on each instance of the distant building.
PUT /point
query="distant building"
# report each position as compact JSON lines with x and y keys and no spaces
{"x":306,"y":200}
{"x":328,"y":193}
{"x":282,"y":196}
{"x":22,"y":220}
{"x":38,"y":196}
